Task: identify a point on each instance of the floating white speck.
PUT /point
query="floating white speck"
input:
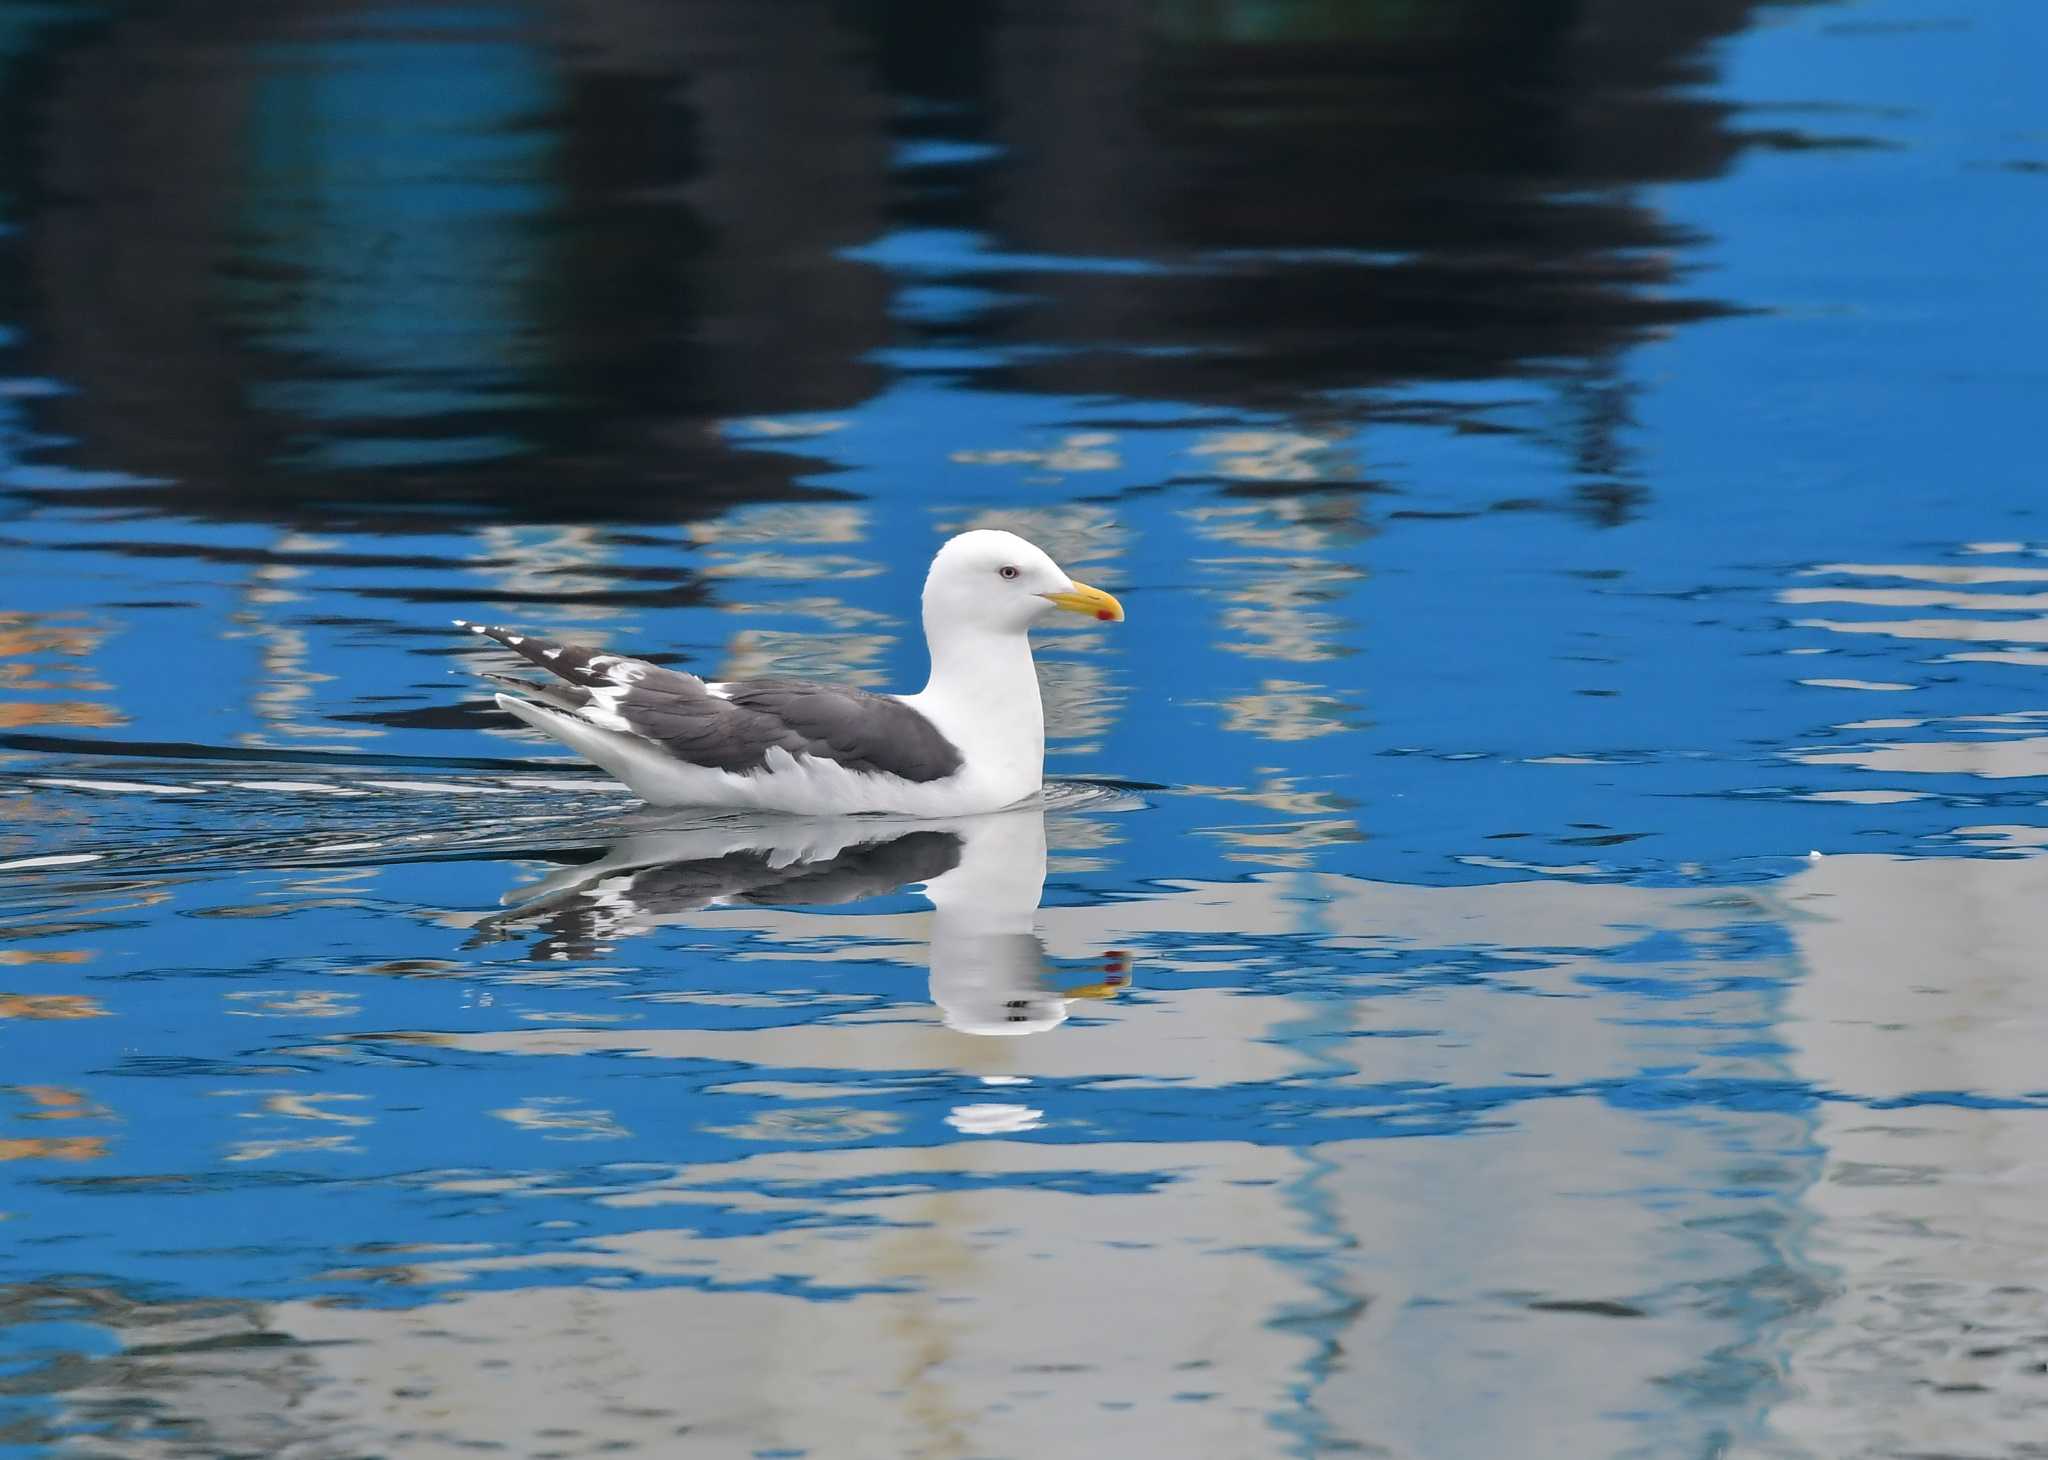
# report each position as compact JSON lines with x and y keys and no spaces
{"x":67,"y":859}
{"x":994,"y":1120}
{"x":1886,"y":686}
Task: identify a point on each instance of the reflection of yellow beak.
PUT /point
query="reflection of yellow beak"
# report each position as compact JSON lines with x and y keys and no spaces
{"x":1091,"y":601}
{"x":1094,"y":991}
{"x":1116,"y":971}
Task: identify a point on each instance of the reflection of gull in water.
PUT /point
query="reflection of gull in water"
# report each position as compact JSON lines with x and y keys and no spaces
{"x":987,"y":964}
{"x":982,"y":874}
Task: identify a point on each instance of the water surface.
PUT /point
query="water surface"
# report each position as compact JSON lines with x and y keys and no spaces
{"x":1532,"y":946}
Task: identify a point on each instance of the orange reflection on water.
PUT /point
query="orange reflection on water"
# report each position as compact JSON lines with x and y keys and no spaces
{"x":47,"y":652}
{"x":59,"y":1148}
{"x":1286,"y":709}
{"x":50,"y":1006}
{"x":80,"y":714}
{"x":58,"y":1102}
{"x":24,"y":634}
{"x":55,"y":1102}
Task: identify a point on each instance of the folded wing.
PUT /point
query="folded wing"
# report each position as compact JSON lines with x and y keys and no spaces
{"x":733,"y":726}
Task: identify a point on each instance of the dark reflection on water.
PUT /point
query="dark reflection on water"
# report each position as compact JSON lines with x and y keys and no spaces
{"x":347,"y":264}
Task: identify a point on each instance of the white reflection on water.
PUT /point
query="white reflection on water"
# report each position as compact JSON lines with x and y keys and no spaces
{"x":983,"y":875}
{"x":1574,"y":1243}
{"x":1930,"y":1220}
{"x":1990,"y":627}
{"x":557,"y":562}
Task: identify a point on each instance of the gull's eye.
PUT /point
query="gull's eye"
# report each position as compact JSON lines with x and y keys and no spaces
{"x":1008,"y":570}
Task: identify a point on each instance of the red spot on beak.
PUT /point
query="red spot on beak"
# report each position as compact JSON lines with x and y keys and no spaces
{"x":1105,"y":615}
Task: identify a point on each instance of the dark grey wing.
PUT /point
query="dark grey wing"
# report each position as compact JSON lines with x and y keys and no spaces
{"x":733,"y":727}
{"x":576,"y":923}
{"x":862,"y":731}
{"x":869,"y":870}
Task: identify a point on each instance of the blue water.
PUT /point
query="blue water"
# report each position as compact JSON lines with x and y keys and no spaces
{"x":1532,"y":943}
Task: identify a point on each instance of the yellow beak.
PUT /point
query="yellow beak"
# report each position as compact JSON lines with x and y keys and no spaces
{"x":1091,"y":601}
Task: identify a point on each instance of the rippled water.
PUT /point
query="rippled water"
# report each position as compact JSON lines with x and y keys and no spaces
{"x":1534,"y":946}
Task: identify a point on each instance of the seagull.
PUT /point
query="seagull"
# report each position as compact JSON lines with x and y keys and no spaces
{"x":971,"y":741}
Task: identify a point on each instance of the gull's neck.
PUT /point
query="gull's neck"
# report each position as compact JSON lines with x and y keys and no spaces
{"x":983,"y":696}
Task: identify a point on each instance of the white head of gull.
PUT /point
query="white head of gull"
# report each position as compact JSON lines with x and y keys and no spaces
{"x":973,"y":740}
